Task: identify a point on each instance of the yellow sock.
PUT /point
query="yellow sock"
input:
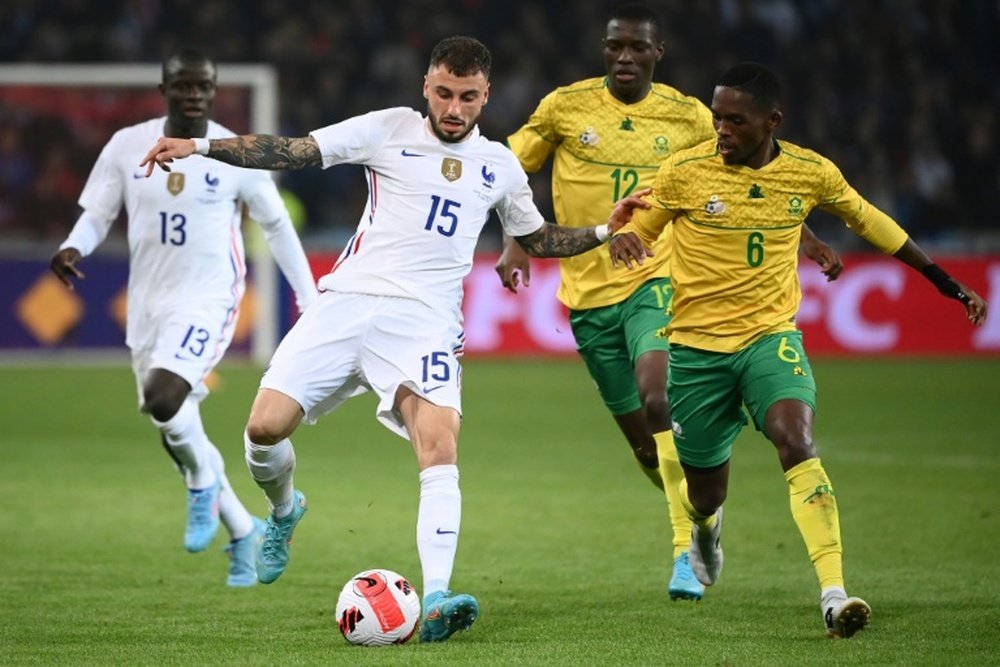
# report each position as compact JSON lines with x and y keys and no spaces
{"x":814,"y":509}
{"x":652,"y":473}
{"x":703,"y":521}
{"x":673,"y":475}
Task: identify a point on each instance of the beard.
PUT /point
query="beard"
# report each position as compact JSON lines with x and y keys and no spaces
{"x":449,"y":138}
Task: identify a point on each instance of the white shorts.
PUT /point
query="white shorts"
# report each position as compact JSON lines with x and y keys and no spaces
{"x":346,"y":344}
{"x":188,"y":340}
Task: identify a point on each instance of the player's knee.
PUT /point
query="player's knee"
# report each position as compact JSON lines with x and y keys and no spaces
{"x":273,"y":417}
{"x":646,"y":455}
{"x":163,"y":394}
{"x":794,"y":445}
{"x":161,"y":405}
{"x":264,"y":431}
{"x":437,"y":451}
{"x":657,"y":410}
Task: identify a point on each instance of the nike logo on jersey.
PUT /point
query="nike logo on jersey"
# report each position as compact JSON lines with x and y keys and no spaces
{"x":211,"y":182}
{"x":429,"y":390}
{"x":446,"y":532}
{"x":138,"y":176}
{"x":407,"y":153}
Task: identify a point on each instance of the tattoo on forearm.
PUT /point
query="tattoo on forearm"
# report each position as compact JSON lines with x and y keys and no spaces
{"x":264,"y":151}
{"x":558,"y":241}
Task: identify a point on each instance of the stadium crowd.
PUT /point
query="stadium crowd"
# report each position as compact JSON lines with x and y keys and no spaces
{"x":902,"y":94}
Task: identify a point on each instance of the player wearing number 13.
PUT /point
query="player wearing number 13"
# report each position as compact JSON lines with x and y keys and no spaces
{"x":388,"y":318}
{"x":185,"y":283}
{"x":738,"y":204}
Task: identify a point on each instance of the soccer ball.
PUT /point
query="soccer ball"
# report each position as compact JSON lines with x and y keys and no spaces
{"x":378,"y":607}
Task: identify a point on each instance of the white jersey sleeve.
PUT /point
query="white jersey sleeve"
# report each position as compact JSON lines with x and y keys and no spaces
{"x":101,"y":201}
{"x":516,"y":210}
{"x":356,"y":140}
{"x":103,"y":193}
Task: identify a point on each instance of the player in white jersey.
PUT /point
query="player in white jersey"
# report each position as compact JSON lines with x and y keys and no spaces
{"x":186,"y":280}
{"x":388,"y":318}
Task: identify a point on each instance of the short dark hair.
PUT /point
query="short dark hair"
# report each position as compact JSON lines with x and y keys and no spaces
{"x":186,"y":56}
{"x":462,"y":56}
{"x":755,"y":79}
{"x":638,"y":12}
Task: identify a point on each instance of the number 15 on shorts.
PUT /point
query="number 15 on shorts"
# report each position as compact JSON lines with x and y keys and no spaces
{"x":435,"y":371}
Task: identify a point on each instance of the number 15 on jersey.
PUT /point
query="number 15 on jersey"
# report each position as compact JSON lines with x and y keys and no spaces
{"x":443,"y":216}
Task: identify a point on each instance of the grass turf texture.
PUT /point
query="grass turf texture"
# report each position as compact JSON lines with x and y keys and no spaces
{"x":563,"y":541}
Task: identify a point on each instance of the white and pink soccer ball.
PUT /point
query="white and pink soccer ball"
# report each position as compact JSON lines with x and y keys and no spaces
{"x":378,"y":607}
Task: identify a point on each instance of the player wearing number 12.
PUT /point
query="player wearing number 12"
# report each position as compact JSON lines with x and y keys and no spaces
{"x":389,"y":318}
{"x":738,"y":204}
{"x":185,"y":283}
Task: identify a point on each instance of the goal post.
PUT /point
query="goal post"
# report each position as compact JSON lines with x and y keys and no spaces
{"x":261,"y":116}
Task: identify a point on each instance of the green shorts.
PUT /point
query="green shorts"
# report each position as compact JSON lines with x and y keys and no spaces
{"x":611,"y":338}
{"x":708,"y":390}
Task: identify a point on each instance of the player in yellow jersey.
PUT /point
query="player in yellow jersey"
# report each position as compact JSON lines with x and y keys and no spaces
{"x":607,"y":137}
{"x":738,"y":205}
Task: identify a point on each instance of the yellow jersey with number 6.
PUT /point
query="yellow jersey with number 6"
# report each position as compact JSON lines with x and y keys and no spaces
{"x":736,"y":239}
{"x":604,"y":150}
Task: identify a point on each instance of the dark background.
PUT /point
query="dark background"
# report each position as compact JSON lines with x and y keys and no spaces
{"x":901,"y":94}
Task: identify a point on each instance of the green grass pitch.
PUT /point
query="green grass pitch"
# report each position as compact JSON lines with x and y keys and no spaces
{"x":564,"y":542}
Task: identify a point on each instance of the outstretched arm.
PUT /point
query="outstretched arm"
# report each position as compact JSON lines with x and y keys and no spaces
{"x":256,"y":151}
{"x":828,"y":259}
{"x":912,"y":255}
{"x":552,"y":240}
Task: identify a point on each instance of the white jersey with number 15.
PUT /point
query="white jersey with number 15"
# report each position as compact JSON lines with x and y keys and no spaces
{"x":428,"y":201}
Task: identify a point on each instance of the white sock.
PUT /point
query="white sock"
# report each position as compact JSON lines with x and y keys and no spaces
{"x":831,"y":593}
{"x":272,"y":466}
{"x":438,"y":520}
{"x":186,"y":438}
{"x":233,"y":514}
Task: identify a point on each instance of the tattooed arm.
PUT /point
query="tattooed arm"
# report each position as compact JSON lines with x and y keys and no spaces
{"x":552,"y":240}
{"x":257,"y":151}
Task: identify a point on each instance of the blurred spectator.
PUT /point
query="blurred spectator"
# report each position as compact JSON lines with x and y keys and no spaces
{"x":901,"y":93}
